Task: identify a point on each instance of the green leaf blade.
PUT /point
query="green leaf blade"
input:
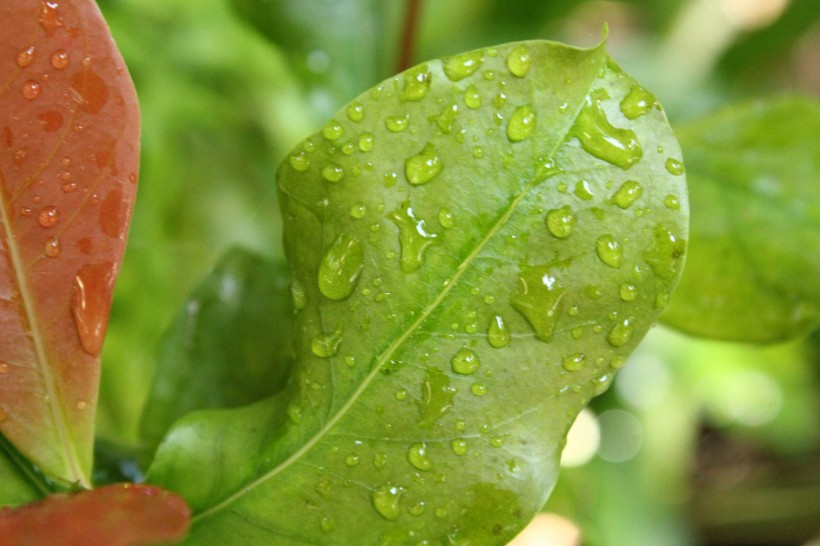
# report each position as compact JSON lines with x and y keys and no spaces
{"x":448,"y":371}
{"x":755,"y":243}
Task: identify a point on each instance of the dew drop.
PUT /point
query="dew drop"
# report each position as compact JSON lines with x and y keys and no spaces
{"x":386,"y":500}
{"x":621,"y":333}
{"x":628,"y":193}
{"x":445,"y":218}
{"x":472,"y":97}
{"x":573,"y":363}
{"x":31,"y":90}
{"x":498,"y":333}
{"x":628,"y":291}
{"x":522,"y":123}
{"x":416,"y":83}
{"x":341,"y":267}
{"x":414,"y":238}
{"x":90,"y":303}
{"x":417,"y":509}
{"x":583,"y":190}
{"x":519,"y":61}
{"x":333,"y":130}
{"x":299,"y":162}
{"x":666,"y":253}
{"x":397,"y":124}
{"x":423,"y":167}
{"x":326,"y":345}
{"x":560,"y":222}
{"x":52,"y":248}
{"x":366,"y":142}
{"x":672,"y":202}
{"x":355,"y":112}
{"x":461,"y":66}
{"x":538,"y":300}
{"x":352,"y":459}
{"x":26,"y":56}
{"x":675,"y":167}
{"x":50,"y":19}
{"x":609,"y":251}
{"x":446,"y":118}
{"x":601,"y":139}
{"x":48,"y":217}
{"x":333,"y":172}
{"x":637,"y":103}
{"x":437,"y":396}
{"x":459,"y":446}
{"x":479,"y":389}
{"x":60,"y":59}
{"x":465,"y":362}
{"x":418,"y":456}
{"x":358,"y":210}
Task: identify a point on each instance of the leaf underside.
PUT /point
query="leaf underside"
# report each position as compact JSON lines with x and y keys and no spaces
{"x":68,"y":169}
{"x":477,"y":244}
{"x":755,"y":242}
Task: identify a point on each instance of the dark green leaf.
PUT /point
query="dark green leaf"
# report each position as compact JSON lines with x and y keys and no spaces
{"x":755,"y":241}
{"x":477,"y":245}
{"x":230,"y":344}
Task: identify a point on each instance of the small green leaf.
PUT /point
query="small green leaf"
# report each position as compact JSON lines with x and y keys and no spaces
{"x":229,"y":345}
{"x":458,"y":335}
{"x":755,"y":241}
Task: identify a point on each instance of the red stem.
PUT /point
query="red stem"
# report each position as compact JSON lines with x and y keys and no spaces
{"x":408,"y":38}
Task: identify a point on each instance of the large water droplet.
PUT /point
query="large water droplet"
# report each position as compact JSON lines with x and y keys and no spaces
{"x":341,"y":267}
{"x":627,"y":194}
{"x":637,"y":103}
{"x":333,"y":172}
{"x":498,"y":333}
{"x":445,"y":218}
{"x":90,"y":303}
{"x":472,"y":97}
{"x":355,"y":112}
{"x":459,"y":446}
{"x":50,"y":19}
{"x":465,"y":362}
{"x":519,"y":61}
{"x":299,"y":162}
{"x":628,"y":291}
{"x":26,"y":56}
{"x":423,"y":167}
{"x":479,"y":389}
{"x":418,"y":457}
{"x":413,"y":237}
{"x":416,"y":83}
{"x":675,"y":167}
{"x":366,"y":141}
{"x":52,"y":247}
{"x":48,"y":217}
{"x":666,"y":253}
{"x":333,"y":130}
{"x":522,"y":123}
{"x":538,"y":300}
{"x":60,"y":59}
{"x":609,"y":251}
{"x":573,"y":363}
{"x":326,"y":345}
{"x":560,"y":222}
{"x":601,"y":139}
{"x":672,"y":202}
{"x":436,"y":396}
{"x":583,"y":190}
{"x":31,"y":89}
{"x":460,"y":66}
{"x":621,"y":333}
{"x":397,"y":124}
{"x":446,"y":118}
{"x":386,"y":500}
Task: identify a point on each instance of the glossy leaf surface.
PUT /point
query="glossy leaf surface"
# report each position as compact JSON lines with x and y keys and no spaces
{"x":755,"y":242}
{"x":69,"y":135}
{"x":115,"y":515}
{"x":230,"y":345}
{"x":477,"y":244}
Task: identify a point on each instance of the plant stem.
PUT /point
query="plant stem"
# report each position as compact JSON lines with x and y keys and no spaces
{"x":408,"y":38}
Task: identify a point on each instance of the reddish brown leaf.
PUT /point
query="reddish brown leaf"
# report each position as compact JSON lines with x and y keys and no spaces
{"x":115,"y":515}
{"x":69,"y":137}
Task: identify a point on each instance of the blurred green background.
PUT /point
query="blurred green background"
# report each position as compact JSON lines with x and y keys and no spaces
{"x":699,"y":442}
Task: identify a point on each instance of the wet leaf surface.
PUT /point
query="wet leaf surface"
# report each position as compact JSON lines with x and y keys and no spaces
{"x":115,"y":515}
{"x":477,"y":244}
{"x":68,"y":172}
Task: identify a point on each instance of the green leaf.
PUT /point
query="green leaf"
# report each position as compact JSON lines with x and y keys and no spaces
{"x":229,"y":345}
{"x":755,"y":240}
{"x":477,"y":245}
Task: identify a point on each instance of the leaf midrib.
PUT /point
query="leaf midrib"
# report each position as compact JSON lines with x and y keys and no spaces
{"x":537,"y":178}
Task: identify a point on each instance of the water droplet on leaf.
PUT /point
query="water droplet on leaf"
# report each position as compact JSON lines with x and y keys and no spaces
{"x":423,"y":167}
{"x":418,"y":457}
{"x":445,"y":218}
{"x":436,"y":396}
{"x":326,"y":345}
{"x":48,"y":217}
{"x":333,"y":173}
{"x":573,"y":363}
{"x":519,"y":61}
{"x":60,"y":59}
{"x":609,"y":251}
{"x":299,"y":162}
{"x":90,"y":303}
{"x":52,"y":248}
{"x":397,"y":124}
{"x":472,"y":97}
{"x":26,"y":56}
{"x":637,"y":103}
{"x":628,"y":291}
{"x":416,"y":83}
{"x":355,"y":112}
{"x":675,"y":167}
{"x":31,"y":90}
{"x":413,"y":237}
{"x":341,"y":267}
{"x":666,"y":253}
{"x":621,"y":333}
{"x":366,"y":141}
{"x":333,"y":130}
{"x":522,"y":123}
{"x":461,"y":66}
{"x":560,"y":222}
{"x":479,"y":389}
{"x":459,"y":446}
{"x":538,"y":300}
{"x":465,"y":362}
{"x":601,"y":139}
{"x":386,"y":500}
{"x":627,"y":194}
{"x":498,"y":333}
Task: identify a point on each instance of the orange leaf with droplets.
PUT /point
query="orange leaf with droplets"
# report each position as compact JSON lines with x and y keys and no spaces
{"x":69,"y":145}
{"x":114,"y":515}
